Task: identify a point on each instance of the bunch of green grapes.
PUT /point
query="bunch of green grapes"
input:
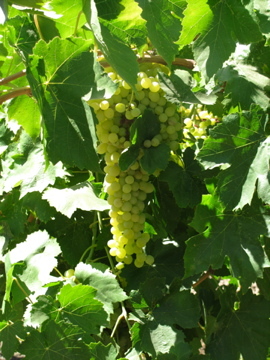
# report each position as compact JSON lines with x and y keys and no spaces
{"x":127,"y":190}
{"x":196,"y":123}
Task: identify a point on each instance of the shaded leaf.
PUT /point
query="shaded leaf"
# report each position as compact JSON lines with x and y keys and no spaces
{"x":240,"y":331}
{"x":235,"y":235}
{"x":251,"y":83}
{"x":180,"y":308}
{"x":240,"y":142}
{"x":98,"y":351}
{"x":155,"y":158}
{"x":186,"y":189}
{"x":178,"y":88}
{"x":128,"y":157}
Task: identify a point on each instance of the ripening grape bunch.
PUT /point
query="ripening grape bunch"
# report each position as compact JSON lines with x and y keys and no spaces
{"x":128,"y":190}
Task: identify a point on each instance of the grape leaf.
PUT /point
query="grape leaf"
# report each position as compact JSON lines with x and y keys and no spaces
{"x":128,"y":157}
{"x":119,"y":56}
{"x":214,"y":46}
{"x":145,"y":127}
{"x":79,"y":306}
{"x":228,"y":234}
{"x":153,"y":289}
{"x":156,"y":339}
{"x":40,"y":208}
{"x":80,"y":196}
{"x":155,"y":158}
{"x":38,"y":253}
{"x":25,"y":111}
{"x":78,"y":237}
{"x":10,"y":332}
{"x":34,"y":175}
{"x":103,"y":87}
{"x":67,"y":16}
{"x":56,"y":341}
{"x":180,"y":308}
{"x":60,"y":74}
{"x":98,"y":351}
{"x":127,"y":24}
{"x":186,"y":189}
{"x":195,"y":22}
{"x":178,"y":89}
{"x":108,"y":289}
{"x":251,"y":83}
{"x":240,"y":331}
{"x":163,"y":25}
{"x":239,"y":141}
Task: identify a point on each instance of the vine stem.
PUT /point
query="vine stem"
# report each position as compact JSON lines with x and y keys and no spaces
{"x":15,"y":76}
{"x":203,"y":278}
{"x":188,"y":63}
{"x":14,"y":93}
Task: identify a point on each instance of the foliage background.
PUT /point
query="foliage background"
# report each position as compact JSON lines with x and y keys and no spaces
{"x":207,"y":296}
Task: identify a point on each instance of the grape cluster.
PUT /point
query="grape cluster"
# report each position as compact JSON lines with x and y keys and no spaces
{"x":127,"y":190}
{"x":196,"y":123}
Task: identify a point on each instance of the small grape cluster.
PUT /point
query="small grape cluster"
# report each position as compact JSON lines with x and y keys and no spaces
{"x":196,"y":123}
{"x":127,"y":190}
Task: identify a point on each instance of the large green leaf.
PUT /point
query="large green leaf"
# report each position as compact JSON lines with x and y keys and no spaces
{"x":163,"y":25}
{"x":61,"y":74}
{"x":251,"y":83}
{"x":230,"y":21}
{"x":118,"y":55}
{"x":80,"y":196}
{"x":56,"y":341}
{"x":79,"y":306}
{"x":240,"y":142}
{"x":235,"y":235}
{"x":245,"y":331}
{"x":108,"y":288}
